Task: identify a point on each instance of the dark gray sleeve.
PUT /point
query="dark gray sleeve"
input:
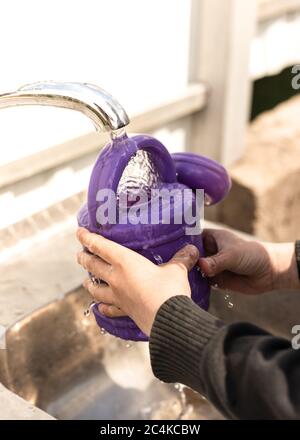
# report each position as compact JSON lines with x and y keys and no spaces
{"x":244,"y":371}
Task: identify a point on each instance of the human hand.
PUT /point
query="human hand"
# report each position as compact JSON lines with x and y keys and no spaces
{"x":135,"y":286}
{"x":247,"y":266}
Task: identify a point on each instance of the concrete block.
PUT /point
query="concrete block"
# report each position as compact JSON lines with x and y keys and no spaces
{"x":265,"y":196}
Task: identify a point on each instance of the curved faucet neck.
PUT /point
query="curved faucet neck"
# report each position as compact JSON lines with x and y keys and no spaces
{"x":102,"y":108}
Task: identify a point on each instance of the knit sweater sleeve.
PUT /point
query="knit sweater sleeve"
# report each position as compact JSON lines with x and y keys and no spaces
{"x":243,"y":370}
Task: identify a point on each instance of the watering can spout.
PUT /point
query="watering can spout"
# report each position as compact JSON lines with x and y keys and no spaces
{"x":102,"y":108}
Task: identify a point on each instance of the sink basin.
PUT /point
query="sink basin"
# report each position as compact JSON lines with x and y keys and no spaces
{"x":57,"y":359}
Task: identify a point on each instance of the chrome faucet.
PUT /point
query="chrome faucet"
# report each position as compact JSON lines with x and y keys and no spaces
{"x":102,"y":108}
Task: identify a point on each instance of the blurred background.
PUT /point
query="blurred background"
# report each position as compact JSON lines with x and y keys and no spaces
{"x":216,"y":77}
{"x":196,"y":73}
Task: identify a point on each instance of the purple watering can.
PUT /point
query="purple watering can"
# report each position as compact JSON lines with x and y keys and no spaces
{"x":116,"y":171}
{"x":157,"y":242}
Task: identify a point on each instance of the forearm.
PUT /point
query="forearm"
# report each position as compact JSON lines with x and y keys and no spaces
{"x":240,"y":368}
{"x":285,"y":266}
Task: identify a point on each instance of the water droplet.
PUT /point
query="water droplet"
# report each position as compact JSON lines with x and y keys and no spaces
{"x":182,"y":399}
{"x":115,"y":134}
{"x":158,"y":259}
{"x":207,"y":200}
{"x":179,"y":387}
{"x":128,"y":344}
{"x":87,"y":311}
{"x":216,"y":285}
{"x":102,"y":331}
{"x":228,"y":300}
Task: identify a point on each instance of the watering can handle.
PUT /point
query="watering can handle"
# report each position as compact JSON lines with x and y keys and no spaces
{"x":160,"y":156}
{"x":200,"y":172}
{"x":107,"y":176}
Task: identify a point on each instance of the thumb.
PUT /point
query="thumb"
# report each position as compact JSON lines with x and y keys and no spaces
{"x":217,"y":263}
{"x":187,"y":256}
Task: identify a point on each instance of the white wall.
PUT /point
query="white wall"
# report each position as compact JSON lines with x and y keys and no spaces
{"x":136,"y":49}
{"x":276,"y":45}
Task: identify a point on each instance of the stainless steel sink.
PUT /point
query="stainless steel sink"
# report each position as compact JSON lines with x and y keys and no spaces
{"x":57,"y":359}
